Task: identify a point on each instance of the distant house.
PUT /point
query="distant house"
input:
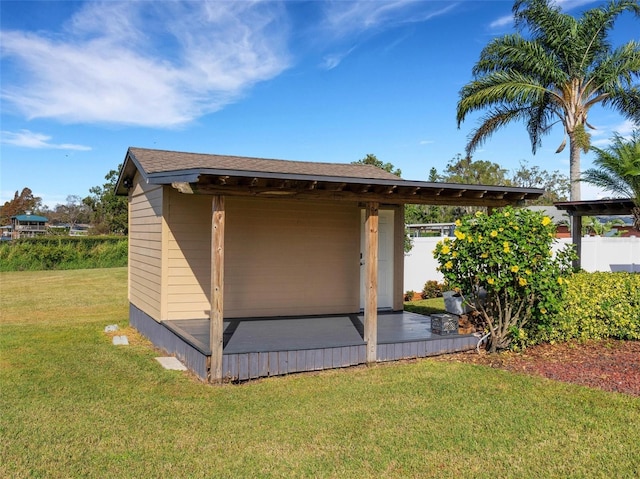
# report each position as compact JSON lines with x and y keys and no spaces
{"x":28,"y":226}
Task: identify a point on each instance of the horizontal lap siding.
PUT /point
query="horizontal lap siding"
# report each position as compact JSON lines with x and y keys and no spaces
{"x":287,"y":257}
{"x":188,"y":255}
{"x":145,"y":248}
{"x":282,"y":257}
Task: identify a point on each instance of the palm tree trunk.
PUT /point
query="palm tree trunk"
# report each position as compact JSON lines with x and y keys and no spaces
{"x":636,"y":216}
{"x":574,"y":167}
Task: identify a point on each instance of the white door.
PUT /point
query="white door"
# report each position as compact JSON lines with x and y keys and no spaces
{"x":385,"y":259}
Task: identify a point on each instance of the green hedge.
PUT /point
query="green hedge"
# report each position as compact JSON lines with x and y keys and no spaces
{"x":598,"y":305}
{"x":59,"y":252}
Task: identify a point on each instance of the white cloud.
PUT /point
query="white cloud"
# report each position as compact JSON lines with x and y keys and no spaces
{"x":502,"y":22}
{"x":158,"y":64}
{"x":426,"y":142}
{"x":30,"y":139}
{"x":348,"y":18}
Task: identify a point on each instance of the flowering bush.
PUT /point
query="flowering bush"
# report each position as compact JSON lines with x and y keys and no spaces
{"x":504,"y":267}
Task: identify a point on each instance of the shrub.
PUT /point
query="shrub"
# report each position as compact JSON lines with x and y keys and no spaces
{"x":505,"y":269}
{"x":598,"y":305}
{"x":58,"y":252}
{"x":432,"y":289}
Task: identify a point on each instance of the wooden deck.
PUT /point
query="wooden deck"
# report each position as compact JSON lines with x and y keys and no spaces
{"x":259,"y":347}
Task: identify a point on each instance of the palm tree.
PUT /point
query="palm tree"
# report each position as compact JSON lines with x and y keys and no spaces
{"x":564,"y":69}
{"x":617,"y":169}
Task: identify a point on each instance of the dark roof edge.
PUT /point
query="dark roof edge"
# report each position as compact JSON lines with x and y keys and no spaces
{"x":191,"y":175}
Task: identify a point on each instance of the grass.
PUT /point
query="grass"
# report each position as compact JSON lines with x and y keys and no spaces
{"x":74,"y":405}
{"x":426,"y":306}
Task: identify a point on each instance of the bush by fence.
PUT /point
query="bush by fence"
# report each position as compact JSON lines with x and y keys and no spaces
{"x":598,"y":305}
{"x":57,"y":252}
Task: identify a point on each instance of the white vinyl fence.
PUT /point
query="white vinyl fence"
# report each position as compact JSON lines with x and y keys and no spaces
{"x":598,"y":254}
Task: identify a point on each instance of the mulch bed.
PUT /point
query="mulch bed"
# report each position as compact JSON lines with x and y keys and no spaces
{"x":608,"y":364}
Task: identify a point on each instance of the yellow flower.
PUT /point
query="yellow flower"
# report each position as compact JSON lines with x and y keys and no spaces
{"x":478,"y":214}
{"x":522,"y":281}
{"x":501,"y":230}
{"x":559,"y":280}
{"x":448,"y":265}
{"x":515,"y":269}
{"x":546,"y":220}
{"x":490,"y":280}
{"x":484,"y":255}
{"x":480,"y":238}
{"x":458,"y":223}
{"x":505,"y":246}
{"x":469,"y":239}
{"x":516,"y":227}
{"x":454,"y":254}
{"x":506,"y":215}
{"x":459,"y":234}
{"x":445,"y":249}
{"x":543,"y":311}
{"x":493,"y":234}
{"x":527,"y":271}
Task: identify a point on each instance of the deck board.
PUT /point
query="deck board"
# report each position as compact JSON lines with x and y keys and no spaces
{"x":260,"y":347}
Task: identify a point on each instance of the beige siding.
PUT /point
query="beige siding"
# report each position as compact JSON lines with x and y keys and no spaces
{"x":145,"y":247}
{"x":188,"y":255}
{"x":282,"y":257}
{"x":286,"y":257}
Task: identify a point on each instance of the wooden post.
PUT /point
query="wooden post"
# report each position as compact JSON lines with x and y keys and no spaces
{"x":371,"y":281}
{"x":576,"y":238}
{"x":216,"y":313}
{"x":398,"y":258}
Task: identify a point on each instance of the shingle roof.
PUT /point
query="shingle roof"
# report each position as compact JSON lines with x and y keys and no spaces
{"x":158,"y":161}
{"x":223,"y":174}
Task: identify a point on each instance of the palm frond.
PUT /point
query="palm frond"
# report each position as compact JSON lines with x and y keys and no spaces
{"x":494,"y":120}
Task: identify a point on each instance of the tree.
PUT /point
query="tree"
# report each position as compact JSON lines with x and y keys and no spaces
{"x":74,"y":211}
{"x":617,"y":169}
{"x":558,"y":75}
{"x":503,"y":265}
{"x":556,"y":185}
{"x":20,"y":204}
{"x":464,"y":170}
{"x":373,"y":160}
{"x":110,"y":213}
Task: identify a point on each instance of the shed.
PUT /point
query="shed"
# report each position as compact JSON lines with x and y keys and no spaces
{"x":247,"y":267}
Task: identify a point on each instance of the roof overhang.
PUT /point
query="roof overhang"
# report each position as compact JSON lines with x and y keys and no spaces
{"x":240,"y":182}
{"x":613,"y":207}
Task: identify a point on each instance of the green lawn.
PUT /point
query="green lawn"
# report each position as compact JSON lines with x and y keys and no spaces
{"x":74,"y":405}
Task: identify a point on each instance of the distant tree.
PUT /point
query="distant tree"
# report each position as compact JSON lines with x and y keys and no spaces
{"x":464,"y":170}
{"x":74,"y":211}
{"x":555,"y":184}
{"x":20,"y":204}
{"x":109,"y":213}
{"x":373,"y":160}
{"x":566,"y":67}
{"x":617,"y":169}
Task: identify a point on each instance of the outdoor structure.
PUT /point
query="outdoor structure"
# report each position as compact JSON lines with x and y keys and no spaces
{"x":247,"y":267}
{"x":28,"y":226}
{"x":578,"y":209}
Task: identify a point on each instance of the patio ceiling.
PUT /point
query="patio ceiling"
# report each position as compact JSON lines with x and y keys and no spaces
{"x":193,"y":173}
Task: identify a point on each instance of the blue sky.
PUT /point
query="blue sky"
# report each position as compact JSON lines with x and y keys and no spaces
{"x":312,"y":81}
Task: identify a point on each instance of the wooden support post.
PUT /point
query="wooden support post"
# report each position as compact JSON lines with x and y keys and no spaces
{"x":398,"y":258}
{"x":576,"y":238}
{"x":216,"y":313}
{"x":371,"y":281}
